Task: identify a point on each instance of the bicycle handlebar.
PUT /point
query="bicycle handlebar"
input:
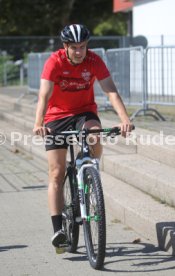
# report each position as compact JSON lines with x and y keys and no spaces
{"x":108,"y":131}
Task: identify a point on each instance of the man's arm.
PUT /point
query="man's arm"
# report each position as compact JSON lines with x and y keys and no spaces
{"x":46,"y":88}
{"x":110,"y":89}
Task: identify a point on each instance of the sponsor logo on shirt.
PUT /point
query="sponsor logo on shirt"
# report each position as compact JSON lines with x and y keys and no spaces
{"x":73,"y":85}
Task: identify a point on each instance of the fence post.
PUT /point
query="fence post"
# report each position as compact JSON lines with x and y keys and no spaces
{"x":145,"y":81}
{"x":5,"y":74}
{"x":20,"y":63}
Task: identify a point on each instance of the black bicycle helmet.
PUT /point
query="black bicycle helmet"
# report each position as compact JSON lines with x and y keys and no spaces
{"x":74,"y":33}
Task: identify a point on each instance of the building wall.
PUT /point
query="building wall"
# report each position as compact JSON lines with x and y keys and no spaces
{"x":155,"y":20}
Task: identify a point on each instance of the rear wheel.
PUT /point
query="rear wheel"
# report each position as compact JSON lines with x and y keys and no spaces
{"x":71,"y":210}
{"x":95,"y":225}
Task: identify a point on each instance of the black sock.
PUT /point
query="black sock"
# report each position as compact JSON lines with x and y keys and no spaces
{"x":57,"y":222}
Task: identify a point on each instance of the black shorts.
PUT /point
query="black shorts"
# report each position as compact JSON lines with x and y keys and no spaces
{"x":75,"y":122}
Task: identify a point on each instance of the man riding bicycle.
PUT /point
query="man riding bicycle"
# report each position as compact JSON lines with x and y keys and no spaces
{"x":66,"y":101}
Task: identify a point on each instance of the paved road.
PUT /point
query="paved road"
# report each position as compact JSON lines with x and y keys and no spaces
{"x":25,"y":231}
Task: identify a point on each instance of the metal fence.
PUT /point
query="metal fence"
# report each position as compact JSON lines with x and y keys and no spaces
{"x":158,"y":80}
{"x":35,"y":65}
{"x":18,"y":46}
{"x":126,"y":67}
{"x":160,"y":75}
{"x":12,"y":73}
{"x":144,"y":77}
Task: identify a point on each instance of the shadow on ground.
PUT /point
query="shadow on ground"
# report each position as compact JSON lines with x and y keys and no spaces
{"x":130,"y":258}
{"x":10,"y":247}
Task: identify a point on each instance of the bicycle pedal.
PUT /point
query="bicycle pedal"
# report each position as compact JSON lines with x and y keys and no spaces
{"x":62,"y":248}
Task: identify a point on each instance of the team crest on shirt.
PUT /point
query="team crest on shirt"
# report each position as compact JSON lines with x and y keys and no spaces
{"x":86,"y":75}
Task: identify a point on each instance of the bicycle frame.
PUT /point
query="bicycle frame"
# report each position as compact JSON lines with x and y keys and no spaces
{"x":81,"y":164}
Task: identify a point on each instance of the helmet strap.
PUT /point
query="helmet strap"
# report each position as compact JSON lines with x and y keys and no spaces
{"x":67,"y":53}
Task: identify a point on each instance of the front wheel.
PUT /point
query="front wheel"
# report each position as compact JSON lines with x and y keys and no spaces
{"x":95,"y":224}
{"x":71,"y":210}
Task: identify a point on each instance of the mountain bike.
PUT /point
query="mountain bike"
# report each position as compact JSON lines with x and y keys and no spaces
{"x":83,"y":198}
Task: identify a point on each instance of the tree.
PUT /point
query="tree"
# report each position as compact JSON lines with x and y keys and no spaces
{"x":37,"y":17}
{"x":112,"y":26}
{"x":43,"y":17}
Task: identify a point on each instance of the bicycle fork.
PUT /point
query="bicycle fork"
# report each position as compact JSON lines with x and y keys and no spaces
{"x":82,"y":189}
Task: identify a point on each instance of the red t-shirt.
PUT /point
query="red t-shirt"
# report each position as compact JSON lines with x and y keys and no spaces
{"x":73,"y":84}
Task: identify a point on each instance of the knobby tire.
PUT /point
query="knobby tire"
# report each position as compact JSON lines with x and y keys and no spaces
{"x":95,"y":207}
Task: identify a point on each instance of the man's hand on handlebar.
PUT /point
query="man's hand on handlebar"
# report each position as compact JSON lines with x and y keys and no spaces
{"x":126,"y":128}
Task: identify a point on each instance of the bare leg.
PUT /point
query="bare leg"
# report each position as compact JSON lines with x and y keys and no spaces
{"x":57,"y":164}
{"x":97,"y":147}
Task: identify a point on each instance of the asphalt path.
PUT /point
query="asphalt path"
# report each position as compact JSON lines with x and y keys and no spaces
{"x":25,"y":231}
